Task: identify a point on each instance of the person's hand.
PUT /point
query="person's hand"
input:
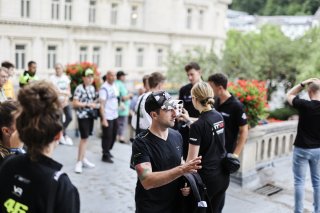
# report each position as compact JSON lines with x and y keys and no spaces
{"x":192,"y":165}
{"x":92,"y":105}
{"x":310,"y":80}
{"x":185,"y":190}
{"x":184,"y":116}
{"x":105,"y":123}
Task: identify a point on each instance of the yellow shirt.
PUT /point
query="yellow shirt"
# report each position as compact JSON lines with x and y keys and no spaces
{"x":9,"y":89}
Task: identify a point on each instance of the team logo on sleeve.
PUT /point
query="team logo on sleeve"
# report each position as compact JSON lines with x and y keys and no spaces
{"x":244,"y":116}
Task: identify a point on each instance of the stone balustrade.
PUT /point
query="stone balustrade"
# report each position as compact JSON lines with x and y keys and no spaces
{"x":265,"y":144}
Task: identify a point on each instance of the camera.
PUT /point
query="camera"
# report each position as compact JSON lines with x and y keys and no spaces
{"x":178,"y":107}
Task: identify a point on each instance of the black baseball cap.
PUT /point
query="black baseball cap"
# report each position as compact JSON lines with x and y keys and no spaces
{"x":160,"y":100}
{"x":120,"y":73}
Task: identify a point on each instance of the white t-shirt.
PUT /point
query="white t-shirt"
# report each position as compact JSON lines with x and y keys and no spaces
{"x":62,"y":83}
{"x":110,"y":94}
{"x":145,"y":119}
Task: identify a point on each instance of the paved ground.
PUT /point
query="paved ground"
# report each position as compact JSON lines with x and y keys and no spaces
{"x":109,"y":188}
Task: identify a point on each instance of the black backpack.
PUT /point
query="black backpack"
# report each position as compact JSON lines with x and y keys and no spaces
{"x":198,"y":200}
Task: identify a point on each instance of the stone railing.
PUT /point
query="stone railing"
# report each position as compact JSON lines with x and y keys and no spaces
{"x":265,"y":144}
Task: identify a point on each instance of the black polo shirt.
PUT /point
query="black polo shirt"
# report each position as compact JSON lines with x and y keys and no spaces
{"x":29,"y":186}
{"x":234,"y":117}
{"x":163,"y":155}
{"x":308,"y":134}
{"x":201,"y":134}
{"x":185,"y":95}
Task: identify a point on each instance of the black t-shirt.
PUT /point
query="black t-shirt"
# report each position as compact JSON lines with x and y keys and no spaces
{"x":201,"y":134}
{"x":163,"y":155}
{"x":234,"y":117}
{"x":185,"y":95}
{"x":29,"y":185}
{"x":308,"y":135}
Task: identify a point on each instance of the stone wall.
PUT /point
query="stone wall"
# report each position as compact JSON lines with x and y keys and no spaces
{"x":265,"y":144}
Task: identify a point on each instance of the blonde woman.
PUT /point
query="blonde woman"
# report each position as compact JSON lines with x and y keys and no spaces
{"x":204,"y":142}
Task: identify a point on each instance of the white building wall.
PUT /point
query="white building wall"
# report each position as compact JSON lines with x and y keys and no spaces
{"x":160,"y":24}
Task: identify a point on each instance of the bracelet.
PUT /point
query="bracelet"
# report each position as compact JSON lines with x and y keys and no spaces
{"x":301,"y":84}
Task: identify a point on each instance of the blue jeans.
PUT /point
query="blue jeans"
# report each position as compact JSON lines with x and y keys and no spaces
{"x":301,"y":159}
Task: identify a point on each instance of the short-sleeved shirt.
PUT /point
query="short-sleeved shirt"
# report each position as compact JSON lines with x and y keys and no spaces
{"x":3,"y":96}
{"x":201,"y":134}
{"x":145,"y":119}
{"x":62,"y":83}
{"x":163,"y":155}
{"x":234,"y":117}
{"x":9,"y":89}
{"x":31,"y":183}
{"x":110,"y":93}
{"x":185,"y":95}
{"x":308,"y":134}
{"x":124,"y":106}
{"x":84,"y":95}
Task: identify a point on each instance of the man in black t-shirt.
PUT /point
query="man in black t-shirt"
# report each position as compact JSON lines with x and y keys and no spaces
{"x":306,"y":151}
{"x":235,"y":119}
{"x":236,"y":128}
{"x":193,"y":71}
{"x":157,"y":154}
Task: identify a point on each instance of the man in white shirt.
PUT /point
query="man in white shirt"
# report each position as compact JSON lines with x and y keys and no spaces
{"x":62,"y":82}
{"x":155,"y":82}
{"x":109,"y":104}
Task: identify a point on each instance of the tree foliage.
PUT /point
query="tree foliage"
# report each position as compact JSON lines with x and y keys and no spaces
{"x":276,"y":7}
{"x":267,"y":56}
{"x":177,"y":61}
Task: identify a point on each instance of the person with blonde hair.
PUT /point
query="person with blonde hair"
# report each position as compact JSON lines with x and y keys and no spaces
{"x":204,"y":137}
{"x":34,"y":182}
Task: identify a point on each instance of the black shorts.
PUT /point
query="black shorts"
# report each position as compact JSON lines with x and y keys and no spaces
{"x":85,"y":127}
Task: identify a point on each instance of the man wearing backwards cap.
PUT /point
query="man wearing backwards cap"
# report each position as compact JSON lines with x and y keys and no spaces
{"x":157,"y":154}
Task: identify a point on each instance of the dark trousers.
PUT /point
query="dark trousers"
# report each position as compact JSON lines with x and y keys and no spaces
{"x":68,"y":118}
{"x":216,"y":187}
{"x":109,"y":135}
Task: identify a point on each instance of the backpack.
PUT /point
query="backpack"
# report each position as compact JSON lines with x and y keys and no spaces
{"x":198,"y":200}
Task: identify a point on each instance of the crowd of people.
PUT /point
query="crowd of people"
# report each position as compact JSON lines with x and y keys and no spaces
{"x":170,"y":138}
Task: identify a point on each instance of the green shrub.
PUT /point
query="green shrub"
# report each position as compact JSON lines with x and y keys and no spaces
{"x":283,"y":113}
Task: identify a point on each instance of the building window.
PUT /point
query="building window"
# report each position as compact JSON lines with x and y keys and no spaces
{"x":201,"y":17}
{"x":134,"y":16}
{"x":83,"y":54}
{"x":189,"y":18}
{"x":160,"y":57}
{"x":55,"y":9}
{"x":140,"y":55}
{"x":96,"y":55}
{"x":25,"y":8}
{"x":20,"y":54}
{"x":52,"y":56}
{"x":68,"y":10}
{"x":114,"y":13}
{"x":92,"y":11}
{"x":118,"y":57}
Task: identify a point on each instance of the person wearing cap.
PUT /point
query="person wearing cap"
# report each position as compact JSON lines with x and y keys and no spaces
{"x":153,"y":83}
{"x":203,"y":142}
{"x":124,"y":106}
{"x":108,"y":95}
{"x":29,"y":75}
{"x":157,"y":154}
{"x":84,"y":100}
